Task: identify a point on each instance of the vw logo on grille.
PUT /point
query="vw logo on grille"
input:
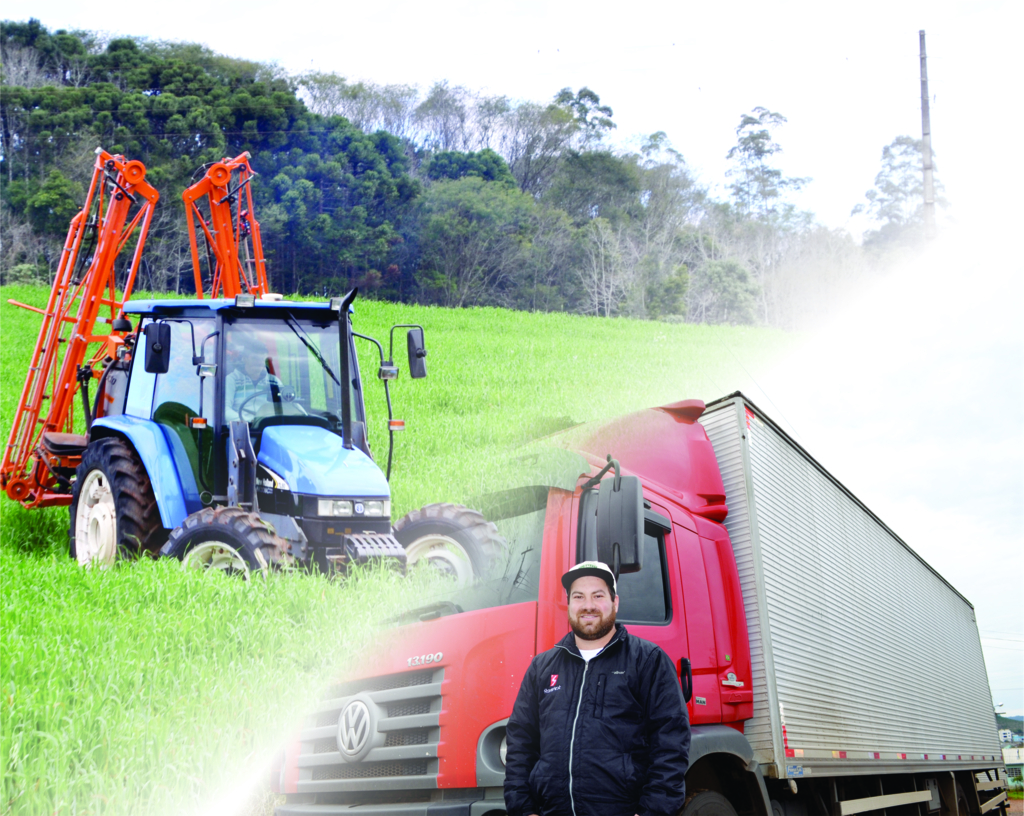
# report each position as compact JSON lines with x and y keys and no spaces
{"x":355,"y":727}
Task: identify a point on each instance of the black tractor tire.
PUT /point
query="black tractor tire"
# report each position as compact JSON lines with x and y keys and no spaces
{"x":228,"y":539}
{"x":454,"y":539}
{"x":708,"y":803}
{"x":113,"y":509}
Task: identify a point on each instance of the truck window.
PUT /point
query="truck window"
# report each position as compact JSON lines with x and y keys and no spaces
{"x":643,"y":595}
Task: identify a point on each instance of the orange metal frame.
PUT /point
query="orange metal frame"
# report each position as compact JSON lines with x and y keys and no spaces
{"x":231,"y":229}
{"x":69,"y":323}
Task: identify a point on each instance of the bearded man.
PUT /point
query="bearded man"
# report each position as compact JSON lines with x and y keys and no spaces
{"x":599,"y":726}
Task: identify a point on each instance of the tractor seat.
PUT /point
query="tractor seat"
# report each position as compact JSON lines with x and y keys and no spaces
{"x":65,"y":444}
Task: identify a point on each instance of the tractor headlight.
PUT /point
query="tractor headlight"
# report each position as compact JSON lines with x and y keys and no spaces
{"x":376,"y":508}
{"x":334,"y":507}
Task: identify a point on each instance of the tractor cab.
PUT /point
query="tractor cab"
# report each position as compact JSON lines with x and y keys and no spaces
{"x":257,"y":404}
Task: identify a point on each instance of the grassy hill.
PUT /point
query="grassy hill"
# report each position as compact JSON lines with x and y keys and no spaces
{"x":142,"y":689}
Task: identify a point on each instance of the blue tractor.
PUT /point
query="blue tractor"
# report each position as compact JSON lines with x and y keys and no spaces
{"x":233,"y":436}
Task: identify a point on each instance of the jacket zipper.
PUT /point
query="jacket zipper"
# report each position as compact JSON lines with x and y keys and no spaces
{"x":579,"y":702}
{"x":572,"y":741}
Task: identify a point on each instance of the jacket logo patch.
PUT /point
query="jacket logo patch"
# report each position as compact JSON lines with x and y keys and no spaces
{"x":621,"y":672}
{"x":554,"y":681}
{"x":553,"y":688}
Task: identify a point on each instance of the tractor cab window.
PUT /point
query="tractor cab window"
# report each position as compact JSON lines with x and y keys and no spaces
{"x":282,"y":371}
{"x":177,"y":400}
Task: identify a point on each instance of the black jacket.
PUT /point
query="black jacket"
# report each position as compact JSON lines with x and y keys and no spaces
{"x":608,"y":738}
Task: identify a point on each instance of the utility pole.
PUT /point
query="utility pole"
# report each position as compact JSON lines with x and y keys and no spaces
{"x":926,"y":147}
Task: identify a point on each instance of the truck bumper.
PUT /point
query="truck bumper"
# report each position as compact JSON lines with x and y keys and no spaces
{"x":448,"y":807}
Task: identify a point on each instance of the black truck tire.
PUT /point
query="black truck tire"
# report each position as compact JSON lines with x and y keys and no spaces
{"x":113,"y":510}
{"x":227,"y":539}
{"x":454,"y":539}
{"x":708,"y":803}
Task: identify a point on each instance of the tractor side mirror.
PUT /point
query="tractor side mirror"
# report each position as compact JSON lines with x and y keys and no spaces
{"x":158,"y":348}
{"x":417,"y":353}
{"x":620,"y":523}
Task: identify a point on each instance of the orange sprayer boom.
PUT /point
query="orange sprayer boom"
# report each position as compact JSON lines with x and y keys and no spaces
{"x":84,"y":284}
{"x":230,"y":231}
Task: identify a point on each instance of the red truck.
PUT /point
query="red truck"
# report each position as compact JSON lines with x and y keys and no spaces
{"x":828,"y":669}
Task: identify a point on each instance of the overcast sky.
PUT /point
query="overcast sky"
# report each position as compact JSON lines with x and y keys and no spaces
{"x":915,"y":399}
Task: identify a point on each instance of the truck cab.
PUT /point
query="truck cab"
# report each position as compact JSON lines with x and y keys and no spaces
{"x":436,"y":699}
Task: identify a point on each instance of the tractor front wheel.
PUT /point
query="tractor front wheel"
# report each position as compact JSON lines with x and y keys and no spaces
{"x":227,"y":539}
{"x":458,"y":541}
{"x":113,"y":510}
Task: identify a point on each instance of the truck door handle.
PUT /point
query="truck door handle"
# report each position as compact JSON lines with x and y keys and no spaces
{"x":730,"y":680}
{"x":686,"y":678}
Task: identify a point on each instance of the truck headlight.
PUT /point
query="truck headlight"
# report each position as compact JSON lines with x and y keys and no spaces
{"x":334,"y":507}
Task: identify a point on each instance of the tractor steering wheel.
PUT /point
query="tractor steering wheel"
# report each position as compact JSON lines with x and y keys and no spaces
{"x":286,"y":393}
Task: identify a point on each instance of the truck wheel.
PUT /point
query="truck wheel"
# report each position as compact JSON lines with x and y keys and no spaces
{"x":708,"y":803}
{"x":963,"y":807}
{"x":113,"y":509}
{"x":227,"y":539}
{"x":457,"y":541}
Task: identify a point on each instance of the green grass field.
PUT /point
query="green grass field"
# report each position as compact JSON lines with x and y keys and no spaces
{"x":143,"y":689}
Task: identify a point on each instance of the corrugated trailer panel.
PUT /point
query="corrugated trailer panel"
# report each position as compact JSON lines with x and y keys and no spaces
{"x":724,"y":430}
{"x":871,"y":656}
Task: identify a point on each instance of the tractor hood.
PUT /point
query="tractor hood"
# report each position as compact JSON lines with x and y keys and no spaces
{"x":315,"y":462}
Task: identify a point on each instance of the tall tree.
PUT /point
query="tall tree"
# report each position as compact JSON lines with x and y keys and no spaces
{"x":592,"y":119}
{"x":896,"y":202}
{"x":764,"y":221}
{"x":443,"y":117}
{"x":757,"y":185}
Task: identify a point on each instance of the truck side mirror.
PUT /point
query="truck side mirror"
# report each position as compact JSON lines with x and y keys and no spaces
{"x":620,"y":523}
{"x":158,"y":348}
{"x":417,"y":353}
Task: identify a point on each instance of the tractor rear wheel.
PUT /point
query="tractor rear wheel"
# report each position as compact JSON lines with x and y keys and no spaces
{"x":457,"y":541}
{"x":227,"y":539}
{"x":113,"y":510}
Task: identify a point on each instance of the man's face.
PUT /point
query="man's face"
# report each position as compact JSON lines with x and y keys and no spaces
{"x":254,"y":366}
{"x":591,"y":608}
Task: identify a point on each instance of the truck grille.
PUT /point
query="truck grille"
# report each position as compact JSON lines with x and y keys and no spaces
{"x":372,"y":770}
{"x":402,"y":752}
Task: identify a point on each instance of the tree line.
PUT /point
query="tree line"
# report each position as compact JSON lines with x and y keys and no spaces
{"x":445,"y":196}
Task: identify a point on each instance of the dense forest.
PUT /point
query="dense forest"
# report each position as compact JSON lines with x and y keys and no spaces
{"x":442,"y":196}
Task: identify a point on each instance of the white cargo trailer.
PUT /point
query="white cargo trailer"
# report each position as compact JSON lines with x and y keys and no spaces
{"x":865,"y":660}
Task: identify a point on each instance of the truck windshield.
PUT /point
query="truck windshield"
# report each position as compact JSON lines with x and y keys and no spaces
{"x":282,"y":367}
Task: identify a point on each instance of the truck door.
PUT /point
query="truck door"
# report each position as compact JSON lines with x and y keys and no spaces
{"x":706,"y":704}
{"x":649,"y":599}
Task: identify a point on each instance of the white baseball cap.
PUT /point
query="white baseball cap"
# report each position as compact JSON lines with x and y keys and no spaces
{"x":596,"y":568}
